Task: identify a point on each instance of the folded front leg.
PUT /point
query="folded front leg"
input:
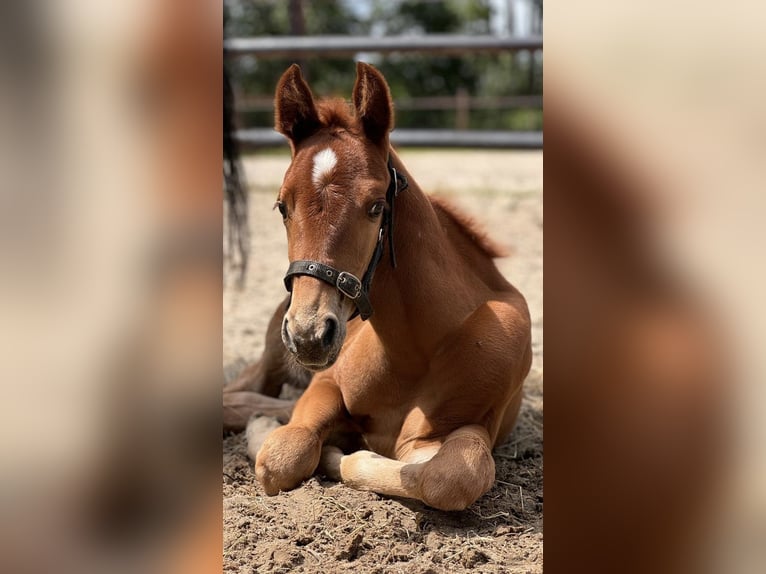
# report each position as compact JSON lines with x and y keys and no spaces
{"x":449,"y":475}
{"x":290,"y":454}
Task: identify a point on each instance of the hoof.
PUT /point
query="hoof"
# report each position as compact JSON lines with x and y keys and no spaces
{"x":329,"y":464}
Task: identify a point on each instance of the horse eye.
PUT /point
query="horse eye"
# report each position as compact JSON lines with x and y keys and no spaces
{"x":282,"y":209}
{"x":376,"y":209}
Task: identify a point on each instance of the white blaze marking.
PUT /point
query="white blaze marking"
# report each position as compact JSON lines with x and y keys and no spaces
{"x":324,"y":162}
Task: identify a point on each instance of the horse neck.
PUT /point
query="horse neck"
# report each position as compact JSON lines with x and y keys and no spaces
{"x":421,"y":301}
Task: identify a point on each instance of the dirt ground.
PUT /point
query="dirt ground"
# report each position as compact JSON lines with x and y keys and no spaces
{"x":326,"y":527}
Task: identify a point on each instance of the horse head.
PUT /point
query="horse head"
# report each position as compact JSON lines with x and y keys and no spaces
{"x":335,"y":202}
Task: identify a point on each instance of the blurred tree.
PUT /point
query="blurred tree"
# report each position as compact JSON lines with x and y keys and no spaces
{"x":418,"y":75}
{"x":279,"y":18}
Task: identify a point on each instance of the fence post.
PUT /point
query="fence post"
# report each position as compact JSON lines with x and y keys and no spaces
{"x":462,"y":109}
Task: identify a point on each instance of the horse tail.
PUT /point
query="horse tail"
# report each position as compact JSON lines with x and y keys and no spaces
{"x":234,"y":186}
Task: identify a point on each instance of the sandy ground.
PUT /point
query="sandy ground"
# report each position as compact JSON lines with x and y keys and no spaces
{"x":326,"y":527}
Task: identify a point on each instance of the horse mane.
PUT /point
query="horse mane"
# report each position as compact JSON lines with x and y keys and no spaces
{"x":337,"y":113}
{"x":470,"y":228}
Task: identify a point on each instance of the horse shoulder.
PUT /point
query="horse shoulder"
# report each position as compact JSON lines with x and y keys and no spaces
{"x":360,"y":368}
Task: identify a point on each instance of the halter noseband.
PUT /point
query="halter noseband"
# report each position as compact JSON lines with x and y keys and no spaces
{"x":347,"y":283}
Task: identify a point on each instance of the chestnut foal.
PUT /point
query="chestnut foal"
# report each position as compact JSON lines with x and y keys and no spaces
{"x":431,"y":381}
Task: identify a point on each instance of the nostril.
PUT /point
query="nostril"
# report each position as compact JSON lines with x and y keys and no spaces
{"x":286,"y":338}
{"x":330,"y":328}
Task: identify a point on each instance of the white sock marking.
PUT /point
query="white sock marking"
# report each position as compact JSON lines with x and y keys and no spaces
{"x":324,"y":162}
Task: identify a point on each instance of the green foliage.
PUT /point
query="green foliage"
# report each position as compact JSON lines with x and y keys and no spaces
{"x":270,"y":18}
{"x":409,"y":75}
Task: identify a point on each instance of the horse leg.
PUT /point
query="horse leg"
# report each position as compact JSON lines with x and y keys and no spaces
{"x":239,"y":408}
{"x":258,"y":430}
{"x":344,"y":434}
{"x":450,"y":475}
{"x":254,"y":391}
{"x":264,"y":376}
{"x":290,"y":454}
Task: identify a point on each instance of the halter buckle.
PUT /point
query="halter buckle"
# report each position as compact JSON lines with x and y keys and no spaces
{"x":349,"y":285}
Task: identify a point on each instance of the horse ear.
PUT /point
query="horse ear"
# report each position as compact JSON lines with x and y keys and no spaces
{"x":372,"y":100}
{"x":294,"y":110}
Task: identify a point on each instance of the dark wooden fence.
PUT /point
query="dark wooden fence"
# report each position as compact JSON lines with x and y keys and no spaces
{"x":303,"y":46}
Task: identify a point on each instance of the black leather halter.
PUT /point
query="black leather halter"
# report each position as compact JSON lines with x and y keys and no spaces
{"x":348,"y":284}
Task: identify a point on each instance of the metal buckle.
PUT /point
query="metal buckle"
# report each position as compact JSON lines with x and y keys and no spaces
{"x":349,"y":285}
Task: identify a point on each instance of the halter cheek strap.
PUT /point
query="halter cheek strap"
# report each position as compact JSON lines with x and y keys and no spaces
{"x":348,"y":284}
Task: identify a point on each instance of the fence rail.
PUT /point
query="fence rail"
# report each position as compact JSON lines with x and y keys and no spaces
{"x":305,"y":46}
{"x":258,"y":138}
{"x":266,"y":103}
{"x":442,"y":44}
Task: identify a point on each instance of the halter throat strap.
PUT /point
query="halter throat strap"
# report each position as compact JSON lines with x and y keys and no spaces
{"x":348,"y":284}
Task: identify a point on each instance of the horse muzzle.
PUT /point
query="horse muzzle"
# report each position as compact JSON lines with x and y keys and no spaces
{"x":315,"y":341}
